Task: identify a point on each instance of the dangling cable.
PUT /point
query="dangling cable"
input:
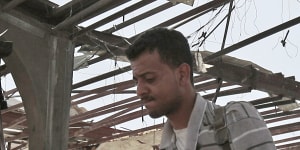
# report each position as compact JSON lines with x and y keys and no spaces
{"x":220,"y":81}
{"x":283,"y":42}
{"x":3,"y":105}
{"x":142,"y":113}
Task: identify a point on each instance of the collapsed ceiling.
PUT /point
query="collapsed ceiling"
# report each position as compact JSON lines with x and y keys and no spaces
{"x":232,"y":76}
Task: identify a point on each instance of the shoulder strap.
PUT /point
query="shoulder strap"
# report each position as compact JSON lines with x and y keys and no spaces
{"x":221,"y":131}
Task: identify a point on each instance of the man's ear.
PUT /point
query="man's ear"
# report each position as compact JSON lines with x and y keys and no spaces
{"x":184,"y":73}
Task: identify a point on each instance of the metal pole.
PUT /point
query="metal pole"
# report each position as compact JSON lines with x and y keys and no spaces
{"x":220,"y":80}
{"x":2,"y":141}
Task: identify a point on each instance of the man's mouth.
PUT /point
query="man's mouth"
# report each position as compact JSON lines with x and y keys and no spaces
{"x":147,"y":99}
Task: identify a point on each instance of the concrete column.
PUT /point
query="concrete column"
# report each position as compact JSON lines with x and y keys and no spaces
{"x":41,"y":64}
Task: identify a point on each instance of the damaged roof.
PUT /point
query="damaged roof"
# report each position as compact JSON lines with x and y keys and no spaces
{"x":98,"y":42}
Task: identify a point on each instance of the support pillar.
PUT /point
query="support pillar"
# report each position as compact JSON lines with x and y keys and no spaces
{"x":41,"y":65}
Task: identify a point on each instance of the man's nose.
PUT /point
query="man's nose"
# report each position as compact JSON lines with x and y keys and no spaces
{"x":141,"y":89}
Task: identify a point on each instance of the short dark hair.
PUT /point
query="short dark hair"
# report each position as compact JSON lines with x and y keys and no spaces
{"x":171,"y":45}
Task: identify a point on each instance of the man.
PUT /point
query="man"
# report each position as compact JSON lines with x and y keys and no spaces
{"x":161,"y":62}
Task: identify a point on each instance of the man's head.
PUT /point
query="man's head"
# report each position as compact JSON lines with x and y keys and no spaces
{"x":161,"y":65}
{"x":171,"y":45}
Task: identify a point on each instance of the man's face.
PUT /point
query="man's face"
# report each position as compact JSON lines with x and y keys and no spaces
{"x":157,"y":84}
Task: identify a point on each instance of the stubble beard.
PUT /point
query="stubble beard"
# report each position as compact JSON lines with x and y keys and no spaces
{"x":166,"y":109}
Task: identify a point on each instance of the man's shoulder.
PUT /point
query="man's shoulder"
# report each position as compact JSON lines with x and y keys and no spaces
{"x":232,"y":112}
{"x":238,"y":110}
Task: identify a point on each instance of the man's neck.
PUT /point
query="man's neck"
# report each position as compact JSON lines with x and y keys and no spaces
{"x":180,"y":119}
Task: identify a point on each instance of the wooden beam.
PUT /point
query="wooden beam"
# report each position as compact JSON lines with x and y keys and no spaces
{"x":197,"y":10}
{"x":12,"y":4}
{"x":285,"y":117}
{"x":281,"y":114}
{"x":128,"y":133}
{"x":101,"y":77}
{"x":265,"y":100}
{"x":287,"y":128}
{"x":112,"y":17}
{"x":290,"y":146}
{"x":251,"y":77}
{"x":105,"y":111}
{"x":273,"y":104}
{"x":139,"y":17}
{"x":87,"y":13}
{"x":120,"y":87}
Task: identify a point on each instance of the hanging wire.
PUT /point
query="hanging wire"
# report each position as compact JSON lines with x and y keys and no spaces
{"x":207,"y":35}
{"x":154,"y":133}
{"x":245,"y":16}
{"x":213,"y":18}
{"x":142,"y":107}
{"x":297,"y":50}
{"x":283,"y":41}
{"x":220,"y":80}
{"x":255,"y":18}
{"x":114,"y":89}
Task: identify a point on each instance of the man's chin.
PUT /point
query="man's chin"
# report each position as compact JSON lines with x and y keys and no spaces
{"x":155,"y":115}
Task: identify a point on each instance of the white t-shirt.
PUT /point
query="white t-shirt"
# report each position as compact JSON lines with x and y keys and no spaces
{"x":180,"y":136}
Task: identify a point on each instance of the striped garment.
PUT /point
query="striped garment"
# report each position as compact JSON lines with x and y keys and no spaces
{"x":243,"y":128}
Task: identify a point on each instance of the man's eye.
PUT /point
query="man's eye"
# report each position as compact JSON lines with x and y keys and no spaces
{"x":150,"y":80}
